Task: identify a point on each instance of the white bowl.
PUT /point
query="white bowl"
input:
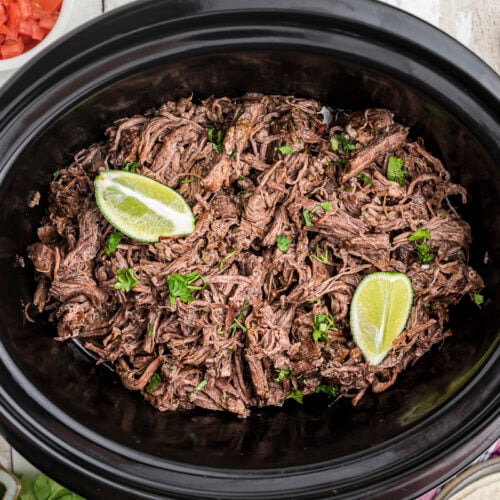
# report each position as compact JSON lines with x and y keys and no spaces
{"x":54,"y":33}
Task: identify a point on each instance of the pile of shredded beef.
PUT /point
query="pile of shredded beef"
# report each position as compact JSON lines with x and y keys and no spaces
{"x":246,"y":340}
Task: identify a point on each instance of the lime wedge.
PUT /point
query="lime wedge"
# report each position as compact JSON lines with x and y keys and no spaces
{"x":140,"y":207}
{"x":380,"y":308}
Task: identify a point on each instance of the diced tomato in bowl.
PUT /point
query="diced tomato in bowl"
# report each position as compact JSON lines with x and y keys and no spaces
{"x":25,"y":23}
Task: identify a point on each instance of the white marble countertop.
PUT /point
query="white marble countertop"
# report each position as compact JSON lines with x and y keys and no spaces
{"x":475,"y":24}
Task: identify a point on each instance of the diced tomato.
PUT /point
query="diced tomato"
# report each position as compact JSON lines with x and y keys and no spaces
{"x":48,"y":5}
{"x":11,"y":48}
{"x":24,"y":23}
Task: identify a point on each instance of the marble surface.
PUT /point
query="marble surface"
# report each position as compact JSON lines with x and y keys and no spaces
{"x":475,"y":24}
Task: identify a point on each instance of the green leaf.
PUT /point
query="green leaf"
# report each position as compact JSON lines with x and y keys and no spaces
{"x":285,"y":150}
{"x":181,"y":285}
{"x":296,"y":395}
{"x":331,"y":390}
{"x":395,"y":171}
{"x":320,"y":257}
{"x":335,"y":142}
{"x":237,"y":321}
{"x":307,"y":217}
{"x":56,"y":173}
{"x":223,"y":261}
{"x":154,"y":382}
{"x":419,"y":234}
{"x":112,"y":242}
{"x":478,"y":299}
{"x":150,"y":330}
{"x":423,"y":251}
{"x":338,"y":140}
{"x":201,"y":385}
{"x":281,"y":374}
{"x":215,"y":141}
{"x":188,"y":181}
{"x":364,"y":178}
{"x":322,"y":324}
{"x":130,"y":166}
{"x":282,"y":242}
{"x":125,"y":280}
{"x":326,"y":206}
{"x":240,"y":178}
{"x":44,"y":488}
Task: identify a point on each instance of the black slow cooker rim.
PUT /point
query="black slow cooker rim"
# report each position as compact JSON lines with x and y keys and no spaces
{"x":23,"y":434}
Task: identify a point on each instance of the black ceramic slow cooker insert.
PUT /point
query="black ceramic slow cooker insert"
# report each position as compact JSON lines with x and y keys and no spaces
{"x":76,"y":421}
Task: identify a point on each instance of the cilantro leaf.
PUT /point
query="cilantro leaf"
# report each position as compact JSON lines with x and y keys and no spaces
{"x":201,"y":385}
{"x":364,"y":178}
{"x":395,"y":171}
{"x":155,"y":381}
{"x":188,"y":181}
{"x":338,"y":140}
{"x":423,"y":251}
{"x":282,"y":242}
{"x":181,"y":285}
{"x":44,"y":488}
{"x":281,"y":374}
{"x":335,"y":142}
{"x":112,"y":242}
{"x":322,"y":323}
{"x":320,"y":257}
{"x":306,"y":213}
{"x":284,"y":150}
{"x":331,"y":390}
{"x":150,"y":330}
{"x":56,"y":173}
{"x":296,"y":395}
{"x":478,"y":299}
{"x":215,"y":141}
{"x":326,"y":206}
{"x":130,"y":166}
{"x":223,"y":261}
{"x":125,"y":280}
{"x":237,"y":321}
{"x":419,"y":234}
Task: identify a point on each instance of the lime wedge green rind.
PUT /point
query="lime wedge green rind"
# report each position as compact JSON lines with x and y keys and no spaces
{"x":140,"y":207}
{"x":380,"y":309}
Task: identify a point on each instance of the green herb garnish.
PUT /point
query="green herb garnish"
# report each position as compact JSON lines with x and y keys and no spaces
{"x":215,"y":141}
{"x":125,"y":280}
{"x":320,"y":257}
{"x":240,"y":178}
{"x":150,"y":330}
{"x":281,"y":374}
{"x":341,"y":140}
{"x":181,"y":285}
{"x":243,"y":191}
{"x":297,"y":395}
{"x":326,"y":206}
{"x":321,"y":325}
{"x":282,"y":242}
{"x":234,"y":153}
{"x":395,"y":170}
{"x":188,"y":181}
{"x":364,"y":178}
{"x":112,"y":242}
{"x":223,"y":261}
{"x":237,"y":321}
{"x":130,"y":166}
{"x":423,"y":251}
{"x":155,"y":381}
{"x":56,"y":173}
{"x":478,"y":299}
{"x":307,"y":217}
{"x":201,"y":385}
{"x":284,"y":150}
{"x":43,"y":488}
{"x":331,"y":390}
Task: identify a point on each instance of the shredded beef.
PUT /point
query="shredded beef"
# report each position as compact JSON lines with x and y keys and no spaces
{"x":246,"y":340}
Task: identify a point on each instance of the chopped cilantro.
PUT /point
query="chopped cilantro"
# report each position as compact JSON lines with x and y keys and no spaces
{"x":201,"y":385}
{"x":295,"y":394}
{"x":181,"y":285}
{"x":320,"y":257}
{"x":56,"y":173}
{"x":234,"y":153}
{"x":223,"y":261}
{"x":395,"y":171}
{"x":215,"y":141}
{"x":335,"y":142}
{"x":188,"y":181}
{"x":284,"y":150}
{"x":125,"y":280}
{"x":130,"y":166}
{"x":321,"y":325}
{"x":326,"y":206}
{"x":282,"y":242}
{"x":240,"y":178}
{"x":237,"y":321}
{"x":150,"y":330}
{"x":155,"y":380}
{"x":423,"y":251}
{"x":364,"y":178}
{"x":338,"y":140}
{"x":281,"y":374}
{"x":112,"y":242}
{"x":331,"y":390}
{"x":307,"y":217}
{"x":328,"y":163}
{"x":478,"y":299}
{"x":242,"y":192}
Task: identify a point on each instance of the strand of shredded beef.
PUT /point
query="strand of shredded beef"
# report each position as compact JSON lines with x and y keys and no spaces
{"x":243,"y":197}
